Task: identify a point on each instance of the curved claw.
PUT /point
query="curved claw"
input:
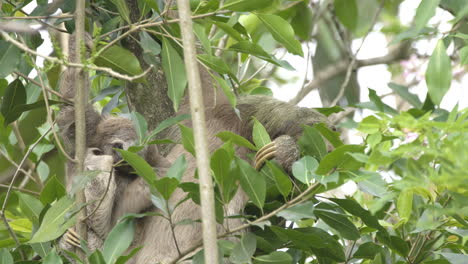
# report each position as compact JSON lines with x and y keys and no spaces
{"x":72,"y":238}
{"x":266,"y":152}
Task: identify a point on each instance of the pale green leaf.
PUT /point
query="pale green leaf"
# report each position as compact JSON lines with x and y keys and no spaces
{"x":438,"y":73}
{"x":174,"y":68}
{"x":282,"y":32}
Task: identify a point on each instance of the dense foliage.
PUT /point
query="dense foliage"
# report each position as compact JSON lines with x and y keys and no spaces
{"x":411,"y":202}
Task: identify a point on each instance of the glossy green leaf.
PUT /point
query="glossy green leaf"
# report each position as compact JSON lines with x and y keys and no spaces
{"x":118,"y":240}
{"x":252,"y":182}
{"x":347,"y":12}
{"x":149,"y":45}
{"x":304,"y":169}
{"x":96,"y":258}
{"x":282,"y":181}
{"x":166,"y":186}
{"x":231,"y":31}
{"x":464,"y":55}
{"x":425,"y":11}
{"x":367,"y":250}
{"x":42,"y":249}
{"x":120,"y":60}
{"x":52,"y":258}
{"x":167,"y":123}
{"x":302,"y":21}
{"x":244,"y":250}
{"x":298,"y":212}
{"x":30,"y":206}
{"x":337,"y":221}
{"x":226,"y":136}
{"x":259,"y":134}
{"x":454,"y":258}
{"x":438,"y":73}
{"x":123,"y":9}
{"x":402,"y":91}
{"x":332,"y":136}
{"x":312,"y":144}
{"x":276,"y":257}
{"x":9,"y":58}
{"x":142,"y":168}
{"x":405,"y":204}
{"x":200,"y":32}
{"x":140,"y":124}
{"x":174,"y":69}
{"x":124,"y":259}
{"x":245,"y":5}
{"x":15,"y":94}
{"x":177,"y":168}
{"x":248,"y":47}
{"x":220,"y":164}
{"x":56,"y":221}
{"x":5,"y":256}
{"x":227,"y":90}
{"x":216,"y":64}
{"x":282,"y":32}
{"x":188,"y":140}
{"x":338,"y":159}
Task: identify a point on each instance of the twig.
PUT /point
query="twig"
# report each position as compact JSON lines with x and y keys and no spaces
{"x":59,"y":95}
{"x":74,"y":64}
{"x":200,"y":134}
{"x":20,"y":189}
{"x":353,"y":59}
{"x":10,"y":187}
{"x":36,"y":17}
{"x":16,"y":165}
{"x":291,"y":203}
{"x":103,"y":196}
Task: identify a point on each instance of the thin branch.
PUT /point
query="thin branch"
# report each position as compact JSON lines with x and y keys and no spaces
{"x":74,"y":64}
{"x":200,"y":134}
{"x":10,"y":187}
{"x":20,"y":189}
{"x":37,"y":17}
{"x":16,"y":165}
{"x":353,"y":59}
{"x":48,"y":89}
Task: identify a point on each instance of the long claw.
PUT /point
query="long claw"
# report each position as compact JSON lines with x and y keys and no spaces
{"x":72,"y":238}
{"x":266,"y":152}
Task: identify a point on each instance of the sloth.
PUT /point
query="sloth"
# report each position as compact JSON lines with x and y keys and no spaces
{"x":128,"y":193}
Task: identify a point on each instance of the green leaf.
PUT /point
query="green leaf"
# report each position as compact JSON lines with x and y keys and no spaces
{"x":226,"y":136}
{"x":5,"y":256}
{"x":220,"y":164}
{"x":174,"y":68}
{"x":228,"y":29}
{"x":370,"y":125}
{"x":327,"y":111}
{"x":405,"y":204}
{"x":282,"y":32}
{"x":166,"y":186}
{"x":248,"y":47}
{"x":304,"y":169}
{"x":177,"y":168}
{"x":259,"y":134}
{"x":425,"y":11}
{"x":338,"y":159}
{"x":337,"y":221}
{"x":276,"y":257}
{"x":188,"y":140}
{"x":244,"y":250}
{"x":120,"y":60}
{"x":142,"y":168}
{"x":52,"y":258}
{"x":55,"y":221}
{"x":227,"y":90}
{"x":42,"y":249}
{"x":381,"y":106}
{"x":148,"y":44}
{"x":454,"y":258}
{"x":298,"y":212}
{"x":332,"y":136}
{"x":252,"y":182}
{"x":302,"y":21}
{"x":282,"y":181}
{"x":17,"y":110}
{"x":438,"y":73}
{"x":367,"y":250}
{"x":30,"y":206}
{"x":118,"y":240}
{"x":245,"y":5}
{"x":140,"y":124}
{"x":347,"y":13}
{"x":10,"y":56}
{"x":124,"y":259}
{"x":15,"y":94}
{"x":216,"y":64}
{"x":405,"y":94}
{"x":123,"y":9}
{"x":312,"y":144}
{"x":464,"y":55}
{"x":167,"y":123}
{"x":96,"y":258}
{"x":200,"y":32}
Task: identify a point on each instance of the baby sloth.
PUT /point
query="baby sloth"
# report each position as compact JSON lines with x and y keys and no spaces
{"x":128,"y":193}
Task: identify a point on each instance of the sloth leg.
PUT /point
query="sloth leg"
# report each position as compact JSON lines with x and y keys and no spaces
{"x":283,"y":150}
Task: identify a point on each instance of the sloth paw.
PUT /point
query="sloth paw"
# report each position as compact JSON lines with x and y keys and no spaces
{"x":72,"y":238}
{"x":283,"y":150}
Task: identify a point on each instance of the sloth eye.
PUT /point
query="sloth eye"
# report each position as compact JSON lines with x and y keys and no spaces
{"x":117,"y":145}
{"x":97,"y":151}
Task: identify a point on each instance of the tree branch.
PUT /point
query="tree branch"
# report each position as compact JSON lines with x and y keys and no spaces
{"x":199,"y":127}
